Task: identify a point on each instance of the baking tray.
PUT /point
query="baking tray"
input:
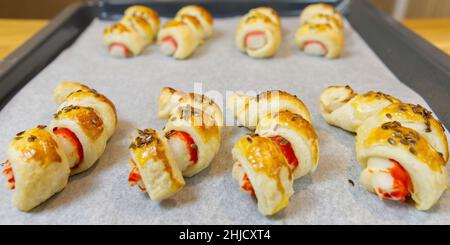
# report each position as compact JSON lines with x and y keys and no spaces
{"x":416,"y":63}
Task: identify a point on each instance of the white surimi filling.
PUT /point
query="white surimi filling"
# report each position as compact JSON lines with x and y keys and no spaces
{"x":377,"y":175}
{"x":70,"y":150}
{"x":239,"y":174}
{"x":256,"y":41}
{"x":117,"y":51}
{"x":180,"y":152}
{"x":314,"y":49}
{"x":167,"y":48}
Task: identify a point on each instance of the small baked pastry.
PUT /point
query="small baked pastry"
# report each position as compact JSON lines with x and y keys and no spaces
{"x":137,"y":29}
{"x":123,"y":41}
{"x":202,"y":15}
{"x":320,"y":40}
{"x":152,"y":166}
{"x":399,"y":163}
{"x":259,"y":33}
{"x":284,"y":148}
{"x":150,"y":15}
{"x":321,"y":9}
{"x":190,"y":140}
{"x":195,"y":25}
{"x":250,"y":109}
{"x":37,"y":167}
{"x":342,"y":107}
{"x":262,"y":170}
{"x":178,"y":39}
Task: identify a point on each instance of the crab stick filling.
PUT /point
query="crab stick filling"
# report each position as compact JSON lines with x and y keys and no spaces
{"x":255,"y":40}
{"x":9,"y":175}
{"x":315,"y":48}
{"x":388,"y":179}
{"x":119,"y":50}
{"x":286,"y":149}
{"x":168,"y":45}
{"x":135,"y":177}
{"x":183,"y":147}
{"x":71,"y":146}
{"x":241,"y":176}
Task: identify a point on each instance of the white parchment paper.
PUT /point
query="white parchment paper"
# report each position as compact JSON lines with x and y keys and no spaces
{"x":102,"y":195}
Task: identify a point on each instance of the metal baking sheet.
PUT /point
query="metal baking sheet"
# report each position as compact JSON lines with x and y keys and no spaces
{"x":102,"y":196}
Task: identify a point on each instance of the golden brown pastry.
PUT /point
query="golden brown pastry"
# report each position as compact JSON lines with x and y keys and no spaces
{"x":42,"y":159}
{"x":259,"y":33}
{"x":148,"y":14}
{"x":284,"y":148}
{"x":202,"y":15}
{"x":187,"y":144}
{"x":402,"y":148}
{"x":321,"y":9}
{"x":178,"y":39}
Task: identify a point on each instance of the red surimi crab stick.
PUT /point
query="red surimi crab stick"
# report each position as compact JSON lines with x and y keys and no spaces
{"x":9,"y":175}
{"x":255,"y":40}
{"x":72,"y":146}
{"x":168,"y":45}
{"x":119,"y":50}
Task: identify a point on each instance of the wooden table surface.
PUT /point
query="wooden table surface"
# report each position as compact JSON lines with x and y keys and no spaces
{"x":14,"y":32}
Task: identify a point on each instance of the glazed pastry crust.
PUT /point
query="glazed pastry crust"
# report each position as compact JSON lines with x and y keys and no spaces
{"x":299,"y":133}
{"x":73,"y":93}
{"x":332,"y":38}
{"x":269,"y":12}
{"x":89,"y":129}
{"x":343,"y":108}
{"x":39,"y":165}
{"x":159,"y":171}
{"x":120,"y":33}
{"x":170,"y":100}
{"x":202,"y":15}
{"x":205,"y":133}
{"x":267,"y":170}
{"x":322,"y":9}
{"x":258,"y":22}
{"x":425,"y":166}
{"x":141,"y":26}
{"x":150,"y":15}
{"x":250,"y":109}
{"x":186,"y":38}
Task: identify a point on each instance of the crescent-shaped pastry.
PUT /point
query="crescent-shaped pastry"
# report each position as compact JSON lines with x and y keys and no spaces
{"x":195,"y":25}
{"x":262,"y":170}
{"x":202,"y":15}
{"x":178,"y":39}
{"x":74,"y":93}
{"x":320,"y":40}
{"x":81,"y":133}
{"x":250,"y":109}
{"x":321,"y":9}
{"x":296,"y":138}
{"x":259,"y":33}
{"x":150,"y":15}
{"x":170,"y":100}
{"x":123,"y":41}
{"x":141,"y":26}
{"x":343,"y":108}
{"x":191,"y":138}
{"x":153,"y":167}
{"x":398,"y":162}
{"x":37,"y":167}
{"x":284,"y":148}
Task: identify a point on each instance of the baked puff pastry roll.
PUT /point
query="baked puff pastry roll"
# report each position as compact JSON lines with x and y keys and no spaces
{"x":136,"y":30}
{"x":321,"y":9}
{"x":320,"y":40}
{"x":399,"y":163}
{"x":84,"y":122}
{"x":152,"y":167}
{"x":259,"y":33}
{"x":37,"y":167}
{"x":342,"y":107}
{"x":296,"y":138}
{"x":170,"y":100}
{"x":148,"y":14}
{"x":191,"y":140}
{"x":202,"y":15}
{"x":250,"y":109}
{"x":262,"y":170}
{"x":178,"y":39}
